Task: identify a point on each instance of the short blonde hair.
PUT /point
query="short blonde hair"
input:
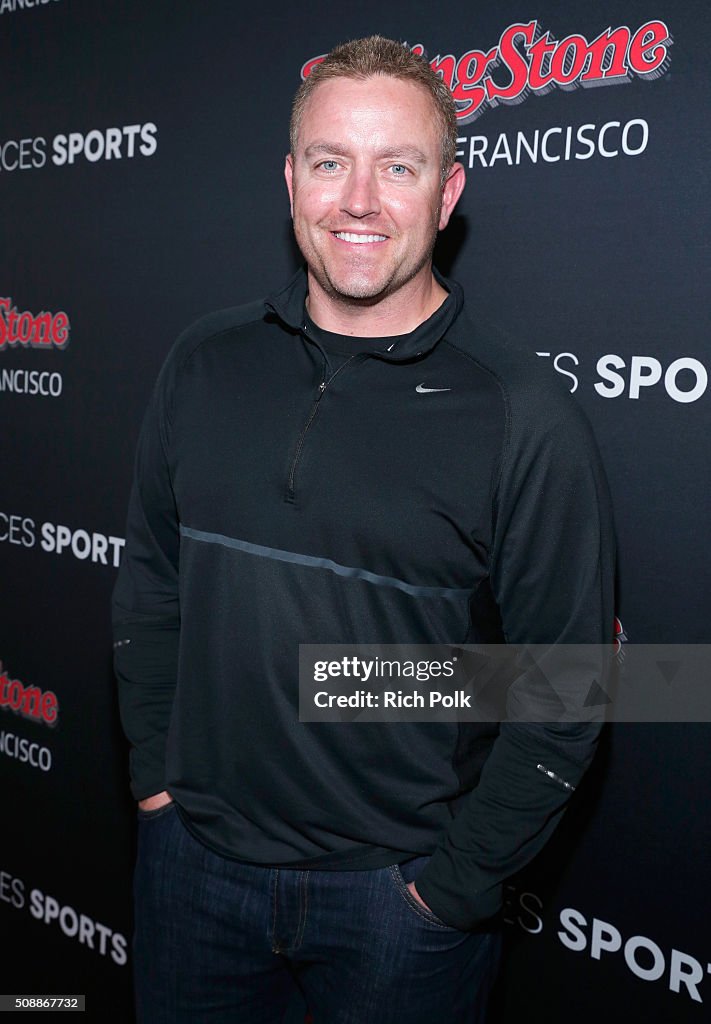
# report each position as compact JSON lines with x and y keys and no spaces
{"x":375,"y":55}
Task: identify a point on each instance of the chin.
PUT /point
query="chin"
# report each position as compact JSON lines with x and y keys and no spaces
{"x":359,"y":294}
{"x":357,"y":288}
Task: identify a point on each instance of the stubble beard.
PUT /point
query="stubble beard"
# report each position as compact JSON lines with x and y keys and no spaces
{"x":363,"y":292}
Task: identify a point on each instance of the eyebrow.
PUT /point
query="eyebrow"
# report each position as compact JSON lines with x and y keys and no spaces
{"x":406,"y":152}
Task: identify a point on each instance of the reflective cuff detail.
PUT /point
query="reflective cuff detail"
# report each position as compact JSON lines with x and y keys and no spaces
{"x":556,"y":778}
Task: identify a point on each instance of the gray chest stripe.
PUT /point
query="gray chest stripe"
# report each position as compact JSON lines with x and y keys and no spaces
{"x":350,"y":572}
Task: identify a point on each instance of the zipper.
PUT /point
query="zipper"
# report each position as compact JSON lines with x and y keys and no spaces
{"x":291,"y":483}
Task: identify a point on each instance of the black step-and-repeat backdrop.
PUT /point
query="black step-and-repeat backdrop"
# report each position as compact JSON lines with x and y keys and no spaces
{"x":141,"y":154}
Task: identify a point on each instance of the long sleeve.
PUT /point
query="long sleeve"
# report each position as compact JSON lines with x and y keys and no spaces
{"x":552,"y":574}
{"x":145,"y":608}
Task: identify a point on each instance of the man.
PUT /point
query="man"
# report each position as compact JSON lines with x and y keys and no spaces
{"x":355,"y":460}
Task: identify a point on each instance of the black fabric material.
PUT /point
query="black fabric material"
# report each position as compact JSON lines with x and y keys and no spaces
{"x":487,"y":485}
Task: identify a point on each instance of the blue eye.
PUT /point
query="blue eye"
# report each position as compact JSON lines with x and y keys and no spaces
{"x":329,"y":165}
{"x":399,"y":170}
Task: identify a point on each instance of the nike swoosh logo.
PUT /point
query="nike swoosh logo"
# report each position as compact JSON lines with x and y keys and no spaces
{"x":422,"y":390}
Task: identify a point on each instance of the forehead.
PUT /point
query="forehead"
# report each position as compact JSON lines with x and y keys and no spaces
{"x":370,"y":111}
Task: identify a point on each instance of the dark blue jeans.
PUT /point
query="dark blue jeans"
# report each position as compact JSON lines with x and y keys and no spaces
{"x":221,"y":941}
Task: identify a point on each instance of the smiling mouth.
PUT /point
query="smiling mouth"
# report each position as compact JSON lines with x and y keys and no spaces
{"x":349,"y":236}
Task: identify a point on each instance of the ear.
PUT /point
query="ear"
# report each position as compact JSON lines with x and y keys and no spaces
{"x":289,"y":175}
{"x":452,"y":190}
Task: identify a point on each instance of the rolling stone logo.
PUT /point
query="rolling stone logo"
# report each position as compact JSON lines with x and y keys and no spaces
{"x":529,"y":61}
{"x":29,"y":330}
{"x":28,"y":701}
{"x":34,"y":705}
{"x":25,"y":330}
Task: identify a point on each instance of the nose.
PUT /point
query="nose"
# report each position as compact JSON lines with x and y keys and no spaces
{"x":360,"y":194}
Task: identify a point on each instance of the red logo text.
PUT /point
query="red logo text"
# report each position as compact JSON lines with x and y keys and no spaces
{"x":529,"y":61}
{"x":28,"y":701}
{"x":37,"y":330}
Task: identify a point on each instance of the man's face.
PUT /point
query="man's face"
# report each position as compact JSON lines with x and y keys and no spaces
{"x":365,"y":186}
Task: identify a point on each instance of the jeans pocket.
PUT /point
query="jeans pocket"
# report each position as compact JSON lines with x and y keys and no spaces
{"x":422,"y":912}
{"x":157,"y":812}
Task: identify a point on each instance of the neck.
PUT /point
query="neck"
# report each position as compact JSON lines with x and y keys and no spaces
{"x":395,"y":314}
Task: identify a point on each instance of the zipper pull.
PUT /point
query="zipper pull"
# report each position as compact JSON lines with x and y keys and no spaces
{"x":322,"y":386}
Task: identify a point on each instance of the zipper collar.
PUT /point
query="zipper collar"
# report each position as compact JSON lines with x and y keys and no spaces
{"x":288,"y":305}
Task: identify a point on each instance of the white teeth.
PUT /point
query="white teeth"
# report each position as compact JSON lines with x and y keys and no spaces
{"x":347,"y":236}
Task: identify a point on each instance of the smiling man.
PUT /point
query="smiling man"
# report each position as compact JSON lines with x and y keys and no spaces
{"x":367,"y":202}
{"x":354,"y":460}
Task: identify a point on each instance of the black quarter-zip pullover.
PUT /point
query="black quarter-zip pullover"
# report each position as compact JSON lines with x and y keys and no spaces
{"x":438,"y":487}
